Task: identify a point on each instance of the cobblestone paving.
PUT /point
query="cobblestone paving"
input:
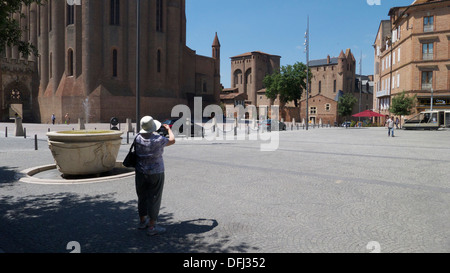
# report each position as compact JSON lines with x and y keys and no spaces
{"x":322,"y":190}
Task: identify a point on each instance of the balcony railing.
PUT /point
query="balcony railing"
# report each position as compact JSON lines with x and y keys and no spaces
{"x":428,"y":28}
{"x":427,"y":56}
{"x":427,"y":86}
{"x":383,"y":93}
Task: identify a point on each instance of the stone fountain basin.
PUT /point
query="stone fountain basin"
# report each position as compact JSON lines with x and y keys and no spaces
{"x":79,"y":153}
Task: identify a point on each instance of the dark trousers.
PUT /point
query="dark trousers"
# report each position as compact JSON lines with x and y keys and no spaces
{"x":149,"y":189}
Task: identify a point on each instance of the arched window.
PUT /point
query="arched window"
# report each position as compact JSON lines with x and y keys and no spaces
{"x":70,"y":62}
{"x":115,"y":12}
{"x":237,"y":77}
{"x":114,"y":63}
{"x":158,"y":61}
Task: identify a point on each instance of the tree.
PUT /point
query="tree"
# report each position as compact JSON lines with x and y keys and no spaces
{"x":346,"y":104}
{"x":287,"y":84}
{"x":402,"y":105}
{"x":10,"y":31}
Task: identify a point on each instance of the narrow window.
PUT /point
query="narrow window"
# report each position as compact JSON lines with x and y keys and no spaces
{"x":70,"y":14}
{"x":320,"y":87}
{"x":39,"y":21}
{"x":50,"y":66}
{"x":159,"y":15}
{"x":428,"y":24}
{"x":50,"y":16}
{"x":427,"y":80}
{"x":158,"y":61}
{"x":334,"y":86}
{"x":427,"y":51}
{"x":70,"y":62}
{"x":114,"y":60}
{"x":115,"y":12}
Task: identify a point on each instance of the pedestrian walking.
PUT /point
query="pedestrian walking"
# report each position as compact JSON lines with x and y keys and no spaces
{"x":390,"y":123}
{"x":150,"y":172}
{"x":53,"y":119}
{"x":397,"y":122}
{"x":67,"y":118}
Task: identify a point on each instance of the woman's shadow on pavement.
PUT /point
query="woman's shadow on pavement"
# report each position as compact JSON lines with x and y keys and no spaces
{"x":46,"y":223}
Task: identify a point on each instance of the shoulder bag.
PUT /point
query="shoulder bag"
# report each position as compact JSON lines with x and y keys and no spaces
{"x":131,"y":158}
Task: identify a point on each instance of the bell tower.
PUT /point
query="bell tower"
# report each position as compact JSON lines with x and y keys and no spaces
{"x":216,"y":48}
{"x":216,"y":57}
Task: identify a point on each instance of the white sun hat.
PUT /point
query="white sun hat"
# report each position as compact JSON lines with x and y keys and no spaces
{"x":149,"y":125}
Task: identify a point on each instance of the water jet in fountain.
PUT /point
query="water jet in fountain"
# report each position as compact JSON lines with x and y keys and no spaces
{"x":87,"y":109}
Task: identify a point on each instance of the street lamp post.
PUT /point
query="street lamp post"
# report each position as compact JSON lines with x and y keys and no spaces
{"x":360,"y":84}
{"x":432,"y":99}
{"x":307,"y":73}
{"x":138,"y":38}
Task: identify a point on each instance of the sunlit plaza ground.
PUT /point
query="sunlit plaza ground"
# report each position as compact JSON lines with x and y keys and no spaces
{"x":321,"y":190}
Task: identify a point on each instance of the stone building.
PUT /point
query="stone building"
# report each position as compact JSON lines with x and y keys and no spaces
{"x":332,"y":78}
{"x":412,"y":54}
{"x":249,"y":70}
{"x":87,"y":61}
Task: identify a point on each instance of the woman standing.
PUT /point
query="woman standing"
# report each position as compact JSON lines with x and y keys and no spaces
{"x":150,"y":173}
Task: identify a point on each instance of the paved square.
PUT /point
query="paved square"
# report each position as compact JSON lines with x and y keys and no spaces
{"x":323,"y":190}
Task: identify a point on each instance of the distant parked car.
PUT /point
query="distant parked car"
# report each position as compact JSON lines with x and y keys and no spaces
{"x":268,"y":124}
{"x":346,"y":124}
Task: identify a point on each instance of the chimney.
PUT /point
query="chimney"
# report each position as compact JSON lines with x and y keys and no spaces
{"x":328,"y":59}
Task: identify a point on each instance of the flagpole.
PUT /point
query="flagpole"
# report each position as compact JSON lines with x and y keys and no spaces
{"x":307,"y":72}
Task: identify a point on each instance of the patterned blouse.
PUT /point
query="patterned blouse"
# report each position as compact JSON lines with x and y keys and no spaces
{"x":149,"y":149}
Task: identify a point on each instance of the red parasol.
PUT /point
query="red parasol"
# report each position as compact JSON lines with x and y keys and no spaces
{"x":368,"y":114}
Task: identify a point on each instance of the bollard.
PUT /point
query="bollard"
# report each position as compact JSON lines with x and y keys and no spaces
{"x":128,"y":137}
{"x":24,"y":132}
{"x":35,"y":143}
{"x":6,"y":132}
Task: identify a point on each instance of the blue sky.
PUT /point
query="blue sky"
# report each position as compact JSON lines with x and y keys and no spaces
{"x":278,"y":27}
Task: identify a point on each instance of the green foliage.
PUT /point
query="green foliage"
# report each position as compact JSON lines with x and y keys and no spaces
{"x":288,"y":83}
{"x":345,"y":105}
{"x":10,"y":31}
{"x":402,"y":104}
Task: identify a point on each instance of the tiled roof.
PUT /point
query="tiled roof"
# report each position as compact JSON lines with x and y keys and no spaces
{"x":322,"y":62}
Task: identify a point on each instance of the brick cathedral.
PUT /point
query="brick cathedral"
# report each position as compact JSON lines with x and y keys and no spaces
{"x":87,"y":62}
